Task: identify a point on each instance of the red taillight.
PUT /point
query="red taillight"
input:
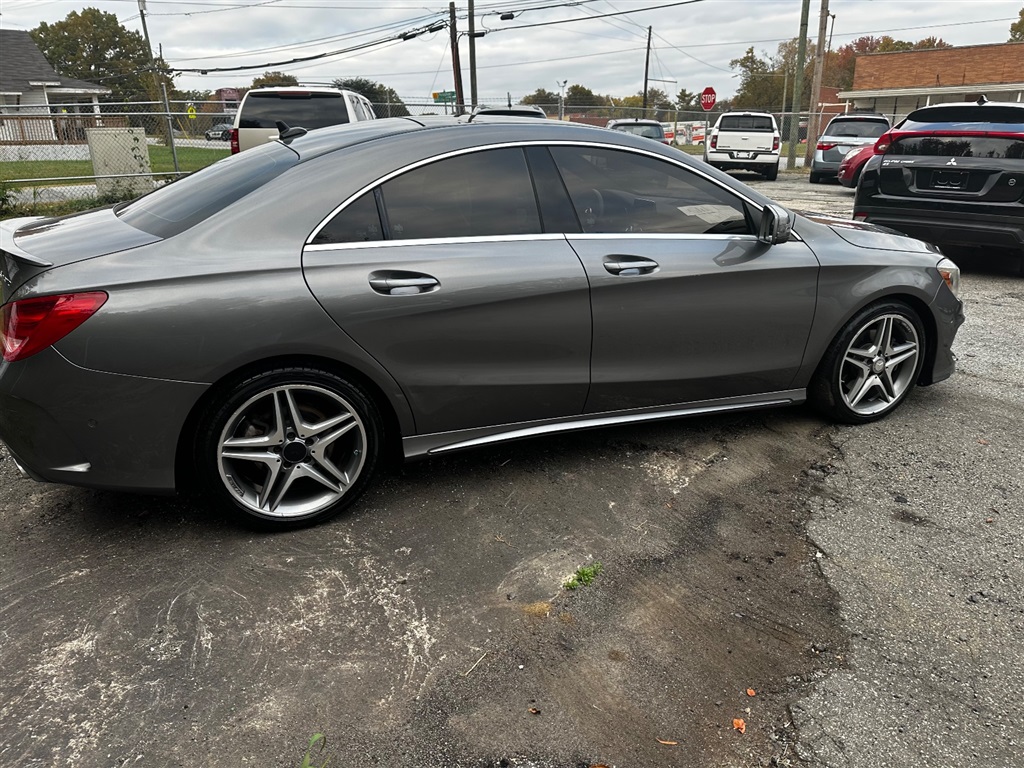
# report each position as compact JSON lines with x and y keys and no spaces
{"x":860,"y":216}
{"x":825,"y":147}
{"x":32,"y":325}
{"x":883,"y":143}
{"x":775,"y":143}
{"x":714,"y":142}
{"x":234,"y":141}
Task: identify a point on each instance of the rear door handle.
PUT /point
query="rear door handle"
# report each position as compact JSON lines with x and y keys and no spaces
{"x":627,"y":266}
{"x":403,"y":283}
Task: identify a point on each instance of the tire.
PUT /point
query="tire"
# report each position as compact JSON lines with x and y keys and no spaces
{"x":772,"y":173}
{"x":290,"y":447}
{"x":814,"y":178}
{"x":871,"y":366}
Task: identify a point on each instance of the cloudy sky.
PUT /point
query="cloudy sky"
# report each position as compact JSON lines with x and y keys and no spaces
{"x":547,"y":41}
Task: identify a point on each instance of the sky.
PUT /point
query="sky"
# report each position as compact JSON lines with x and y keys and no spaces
{"x":548,"y":42}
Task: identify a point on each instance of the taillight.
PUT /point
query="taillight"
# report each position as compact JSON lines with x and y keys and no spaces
{"x":825,"y":147}
{"x":775,"y":143}
{"x":234,"y":141}
{"x":714,"y":141}
{"x":859,"y":216}
{"x":32,"y":325}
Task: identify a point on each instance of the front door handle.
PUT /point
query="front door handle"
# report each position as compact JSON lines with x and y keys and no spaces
{"x":627,"y":266}
{"x":403,"y":283}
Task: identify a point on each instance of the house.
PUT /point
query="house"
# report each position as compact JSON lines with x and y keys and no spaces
{"x":29,"y":89}
{"x":895,"y":84}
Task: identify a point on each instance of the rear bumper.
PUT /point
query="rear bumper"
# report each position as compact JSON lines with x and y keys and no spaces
{"x":731,"y":161}
{"x":949,"y":229}
{"x":94,"y":429}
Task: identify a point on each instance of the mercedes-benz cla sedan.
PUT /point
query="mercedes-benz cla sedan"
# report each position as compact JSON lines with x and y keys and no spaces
{"x":272,"y":325}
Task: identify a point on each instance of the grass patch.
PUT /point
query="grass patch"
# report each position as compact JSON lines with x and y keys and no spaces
{"x":583,"y":577}
{"x":160,"y":161}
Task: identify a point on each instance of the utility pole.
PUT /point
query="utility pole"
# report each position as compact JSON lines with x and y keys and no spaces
{"x":158,"y":86}
{"x":814,"y":119}
{"x":647,"y":68}
{"x":460,"y":99}
{"x":472,"y":55}
{"x":798,"y":85}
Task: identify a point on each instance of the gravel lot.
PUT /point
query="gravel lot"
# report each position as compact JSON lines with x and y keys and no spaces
{"x":865,"y":584}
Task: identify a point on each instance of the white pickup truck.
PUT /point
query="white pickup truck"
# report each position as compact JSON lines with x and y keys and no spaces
{"x":747,"y":141}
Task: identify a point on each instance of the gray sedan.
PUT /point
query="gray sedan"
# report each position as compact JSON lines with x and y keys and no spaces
{"x":272,"y":326}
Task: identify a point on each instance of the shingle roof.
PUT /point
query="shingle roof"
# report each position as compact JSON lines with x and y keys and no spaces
{"x":968,"y":66}
{"x":21,"y":63}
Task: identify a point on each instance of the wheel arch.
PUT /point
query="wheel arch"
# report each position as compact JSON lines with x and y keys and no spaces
{"x":185,"y":474}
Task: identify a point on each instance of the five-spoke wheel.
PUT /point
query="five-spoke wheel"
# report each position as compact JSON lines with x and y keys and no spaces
{"x":292,"y":446}
{"x":872,"y":365}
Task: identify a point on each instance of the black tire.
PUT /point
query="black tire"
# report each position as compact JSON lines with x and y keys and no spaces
{"x":814,"y":178}
{"x":864,"y":376}
{"x":772,"y":173}
{"x":289,"y":447}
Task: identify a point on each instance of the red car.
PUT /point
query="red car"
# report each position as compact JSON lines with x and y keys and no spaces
{"x":849,"y":169}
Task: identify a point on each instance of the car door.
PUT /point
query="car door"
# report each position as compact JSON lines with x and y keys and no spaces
{"x":444,"y":275}
{"x":687,"y":304}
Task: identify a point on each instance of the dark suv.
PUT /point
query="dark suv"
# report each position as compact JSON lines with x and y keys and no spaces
{"x":952,"y":175}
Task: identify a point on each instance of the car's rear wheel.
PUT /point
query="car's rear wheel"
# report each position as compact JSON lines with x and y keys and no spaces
{"x":814,"y":178}
{"x":290,"y":447}
{"x":873,"y":364}
{"x":772,"y":173}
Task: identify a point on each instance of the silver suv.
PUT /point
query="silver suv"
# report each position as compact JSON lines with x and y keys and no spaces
{"x":297,"y":107}
{"x":649,"y":129}
{"x":842,"y":135}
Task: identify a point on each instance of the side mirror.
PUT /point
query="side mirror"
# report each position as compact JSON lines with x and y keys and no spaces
{"x":776,"y":225}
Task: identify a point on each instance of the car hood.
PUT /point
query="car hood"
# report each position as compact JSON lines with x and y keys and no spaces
{"x":33,"y":245}
{"x":872,"y":236}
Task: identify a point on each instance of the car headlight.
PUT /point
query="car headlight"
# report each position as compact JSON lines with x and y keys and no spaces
{"x":950,"y":273}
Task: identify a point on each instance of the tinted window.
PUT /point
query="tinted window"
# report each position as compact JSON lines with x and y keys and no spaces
{"x":184,"y":203}
{"x":359,"y":222}
{"x":861,"y":129}
{"x":960,"y":146}
{"x":966,"y":117}
{"x":614,"y":191}
{"x":302,"y":109}
{"x":480,"y":194}
{"x":746,"y":123}
{"x":639,"y":129}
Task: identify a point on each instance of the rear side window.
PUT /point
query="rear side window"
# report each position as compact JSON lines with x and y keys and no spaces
{"x":861,"y":129}
{"x":747,"y":123}
{"x":305,"y":109}
{"x":183,"y":204}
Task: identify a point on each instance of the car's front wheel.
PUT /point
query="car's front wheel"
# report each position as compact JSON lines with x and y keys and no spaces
{"x":871,"y":366}
{"x":290,"y":447}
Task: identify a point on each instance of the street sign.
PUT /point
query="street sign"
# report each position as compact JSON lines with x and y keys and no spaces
{"x":443,"y":96}
{"x":708,"y":97}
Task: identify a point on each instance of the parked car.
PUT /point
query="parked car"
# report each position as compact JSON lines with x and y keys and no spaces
{"x":953,"y":175}
{"x":276,"y":323}
{"x":514,"y":110}
{"x":843,"y":133}
{"x":745,"y":141}
{"x":261,"y":109}
{"x":853,"y":164}
{"x":219,"y":132}
{"x":649,"y":129}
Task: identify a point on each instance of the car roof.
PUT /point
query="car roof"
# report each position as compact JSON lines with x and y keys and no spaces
{"x":631,"y":120}
{"x":298,"y":89}
{"x":872,"y":117}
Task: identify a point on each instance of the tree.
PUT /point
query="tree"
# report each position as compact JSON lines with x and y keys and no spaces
{"x":93,"y":46}
{"x":1017,"y":29}
{"x":541,"y":98}
{"x":580,"y":96}
{"x":687,"y":100}
{"x":274,"y":78}
{"x":386,"y":102}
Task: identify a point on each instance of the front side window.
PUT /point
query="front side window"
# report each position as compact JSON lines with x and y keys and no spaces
{"x":475,"y":195}
{"x":615,"y":191}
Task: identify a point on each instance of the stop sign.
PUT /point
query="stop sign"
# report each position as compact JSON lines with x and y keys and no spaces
{"x":708,"y":97}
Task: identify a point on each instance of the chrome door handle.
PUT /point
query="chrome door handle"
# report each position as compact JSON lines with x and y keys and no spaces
{"x":626,"y":266}
{"x":403,"y":284}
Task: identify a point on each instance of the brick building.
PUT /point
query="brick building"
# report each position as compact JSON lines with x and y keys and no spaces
{"x":897,"y":83}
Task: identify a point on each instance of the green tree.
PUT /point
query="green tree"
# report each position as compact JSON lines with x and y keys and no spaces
{"x":1017,"y":29}
{"x":386,"y":102}
{"x":541,"y":98}
{"x":580,"y":96}
{"x":274,"y":78}
{"x":687,"y":100}
{"x":93,"y":46}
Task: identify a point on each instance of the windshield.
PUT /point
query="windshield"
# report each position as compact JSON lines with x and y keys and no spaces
{"x":186,"y":202}
{"x":305,"y":109}
{"x":762,"y":123}
{"x":639,"y":129}
{"x":860,"y":129}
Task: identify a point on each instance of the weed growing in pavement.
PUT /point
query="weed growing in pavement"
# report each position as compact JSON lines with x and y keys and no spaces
{"x":583,"y":577}
{"x":307,"y":760}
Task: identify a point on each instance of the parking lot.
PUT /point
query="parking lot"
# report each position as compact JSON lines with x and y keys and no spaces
{"x":773,"y":590}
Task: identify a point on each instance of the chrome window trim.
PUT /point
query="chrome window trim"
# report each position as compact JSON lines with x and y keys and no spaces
{"x":320,"y":247}
{"x":513,"y":145}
